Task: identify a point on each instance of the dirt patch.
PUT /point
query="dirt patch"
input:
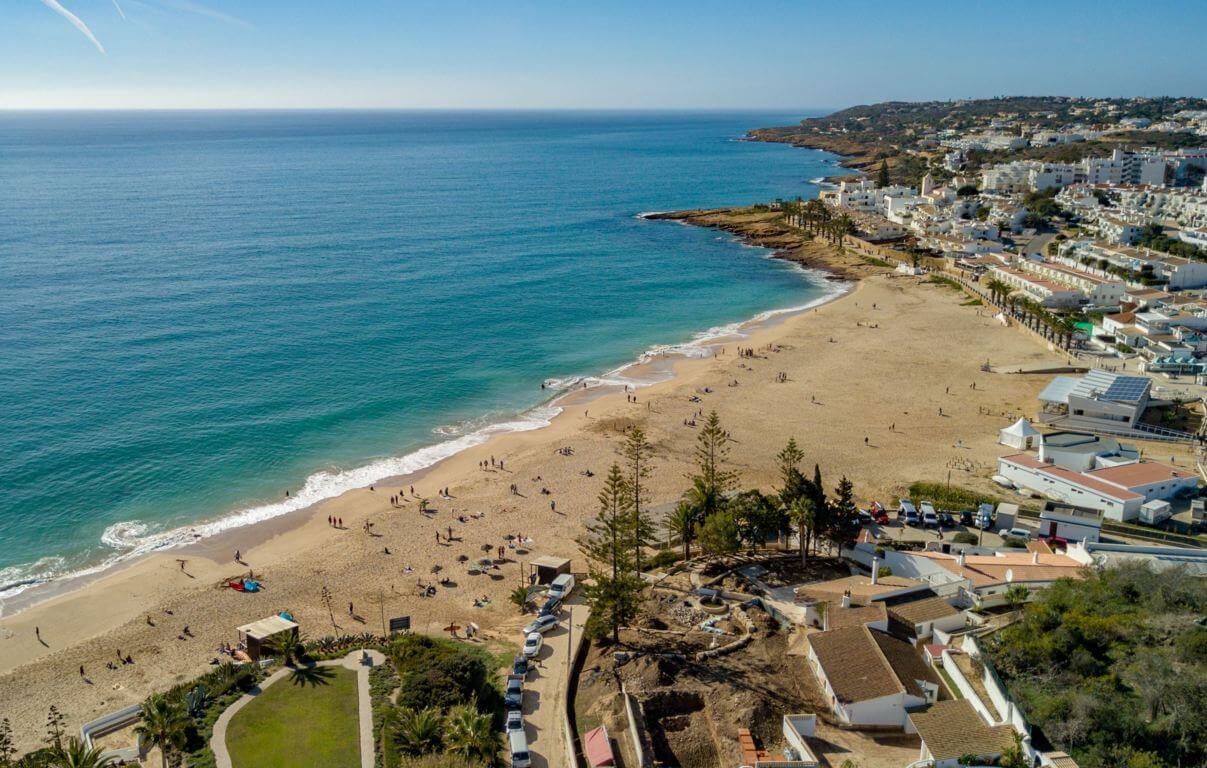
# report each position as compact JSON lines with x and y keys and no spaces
{"x":693,"y":709}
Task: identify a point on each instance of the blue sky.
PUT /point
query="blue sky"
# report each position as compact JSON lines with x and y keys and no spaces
{"x":771,"y":54}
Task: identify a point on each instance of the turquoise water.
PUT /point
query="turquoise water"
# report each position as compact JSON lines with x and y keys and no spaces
{"x":203,"y":310}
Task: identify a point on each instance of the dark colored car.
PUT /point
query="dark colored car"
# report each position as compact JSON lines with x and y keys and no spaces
{"x":966,"y":517}
{"x":551,"y":607}
{"x":946,"y":520}
{"x":513,"y":697}
{"x":520,"y":666}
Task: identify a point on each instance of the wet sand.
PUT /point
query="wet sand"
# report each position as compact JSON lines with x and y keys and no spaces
{"x":852,"y":372}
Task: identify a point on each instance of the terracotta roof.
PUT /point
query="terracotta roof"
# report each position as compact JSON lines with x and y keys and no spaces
{"x":1084,"y":479}
{"x":838,"y":617}
{"x":988,"y":570}
{"x":920,"y":611}
{"x":1060,"y":760}
{"x":861,"y":588}
{"x":1040,"y":546}
{"x":950,"y":729}
{"x":862,"y":664}
{"x":1140,"y":473}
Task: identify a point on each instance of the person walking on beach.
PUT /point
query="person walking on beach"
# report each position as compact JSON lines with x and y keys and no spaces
{"x":238,"y":559}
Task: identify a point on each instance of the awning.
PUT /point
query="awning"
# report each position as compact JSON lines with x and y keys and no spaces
{"x":266,"y":628}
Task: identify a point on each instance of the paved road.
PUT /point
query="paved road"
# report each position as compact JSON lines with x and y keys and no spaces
{"x":544,"y":691}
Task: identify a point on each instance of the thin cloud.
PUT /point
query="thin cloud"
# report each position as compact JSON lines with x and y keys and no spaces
{"x":119,"y":9}
{"x":188,"y":6}
{"x":55,"y":6}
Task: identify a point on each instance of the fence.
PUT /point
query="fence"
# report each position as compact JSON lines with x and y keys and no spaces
{"x":641,"y":740}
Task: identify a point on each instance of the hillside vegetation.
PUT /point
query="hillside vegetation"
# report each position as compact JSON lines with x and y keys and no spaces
{"x":1113,"y":668}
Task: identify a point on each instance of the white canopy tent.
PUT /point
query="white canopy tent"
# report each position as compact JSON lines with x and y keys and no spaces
{"x":1020,"y":435}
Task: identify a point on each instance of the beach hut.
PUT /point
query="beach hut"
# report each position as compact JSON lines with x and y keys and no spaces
{"x":1019,"y":435}
{"x":548,"y":568}
{"x":598,"y":747}
{"x":258,"y":635}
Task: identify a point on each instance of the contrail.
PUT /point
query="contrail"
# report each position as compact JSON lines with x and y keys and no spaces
{"x":55,"y":6}
{"x":119,"y":9}
{"x":188,"y":6}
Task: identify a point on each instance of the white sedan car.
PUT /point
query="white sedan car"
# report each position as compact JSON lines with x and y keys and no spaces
{"x":532,"y":645}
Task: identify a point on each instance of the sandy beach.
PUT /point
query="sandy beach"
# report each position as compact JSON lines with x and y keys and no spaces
{"x":892,"y":361}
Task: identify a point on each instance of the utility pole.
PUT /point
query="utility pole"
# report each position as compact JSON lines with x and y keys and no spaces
{"x":569,"y":640}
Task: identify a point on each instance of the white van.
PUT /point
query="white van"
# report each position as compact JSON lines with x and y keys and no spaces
{"x":518,"y":741}
{"x":562,"y":586}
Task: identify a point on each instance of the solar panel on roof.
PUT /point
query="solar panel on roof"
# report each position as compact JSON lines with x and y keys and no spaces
{"x":1127,"y":389}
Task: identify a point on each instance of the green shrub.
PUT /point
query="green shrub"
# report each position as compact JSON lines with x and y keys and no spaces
{"x":663,"y":558}
{"x":439,"y":673}
{"x":1015,"y":542}
{"x":948,"y":497}
{"x":964,"y":537}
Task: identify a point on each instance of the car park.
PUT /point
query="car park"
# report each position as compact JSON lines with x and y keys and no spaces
{"x":541,"y":624}
{"x":532,"y":645}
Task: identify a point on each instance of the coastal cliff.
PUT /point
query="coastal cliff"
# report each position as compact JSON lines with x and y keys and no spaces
{"x":764,"y":228}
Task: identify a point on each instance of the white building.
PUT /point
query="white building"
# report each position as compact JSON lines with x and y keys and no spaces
{"x":1047,"y":292}
{"x":1110,"y":400}
{"x":870,"y":678}
{"x":1118,"y":492}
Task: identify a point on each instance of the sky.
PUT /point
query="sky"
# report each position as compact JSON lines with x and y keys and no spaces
{"x":602,"y":54}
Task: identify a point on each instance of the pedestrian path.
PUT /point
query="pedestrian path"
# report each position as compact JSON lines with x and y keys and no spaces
{"x":360,"y":662}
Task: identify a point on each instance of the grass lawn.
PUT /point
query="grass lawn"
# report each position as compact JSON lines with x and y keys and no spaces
{"x":306,"y":720}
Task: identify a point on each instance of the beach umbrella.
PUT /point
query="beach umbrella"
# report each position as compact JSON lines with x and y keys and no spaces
{"x":436,"y":569}
{"x":462,"y":558}
{"x":487,"y":547}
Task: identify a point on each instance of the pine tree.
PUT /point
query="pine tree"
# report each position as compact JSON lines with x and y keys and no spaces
{"x":637,"y":452}
{"x":614,"y":588}
{"x":882,"y":178}
{"x":789,"y":459}
{"x":712,"y":480}
{"x":842,"y":525}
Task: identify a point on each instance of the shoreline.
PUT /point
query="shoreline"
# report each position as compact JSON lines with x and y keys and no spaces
{"x":869,"y":362}
{"x":271,"y":519}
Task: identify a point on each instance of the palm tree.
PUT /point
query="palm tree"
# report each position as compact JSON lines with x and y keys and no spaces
{"x":1016,"y":595}
{"x":419,"y":730}
{"x":290,"y":646}
{"x":681,"y":521}
{"x":470,"y":735}
{"x":519,"y":598}
{"x":163,"y":725}
{"x":76,"y":754}
{"x":803,"y":514}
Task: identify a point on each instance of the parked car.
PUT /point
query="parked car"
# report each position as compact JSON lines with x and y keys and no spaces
{"x":984,"y":516}
{"x":1056,"y":542}
{"x":946,"y":520}
{"x":930,"y":518}
{"x":541,"y":624}
{"x":517,"y":743}
{"x":515,"y":721}
{"x":879,"y":514}
{"x":906,"y":510}
{"x":513,"y":695}
{"x":562,"y":586}
{"x":551,"y":606}
{"x":532,"y":645}
{"x":966,"y":517}
{"x":519,"y":666}
{"x":1016,"y":533}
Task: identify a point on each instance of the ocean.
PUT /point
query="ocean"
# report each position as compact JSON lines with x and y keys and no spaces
{"x":200,"y":311}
